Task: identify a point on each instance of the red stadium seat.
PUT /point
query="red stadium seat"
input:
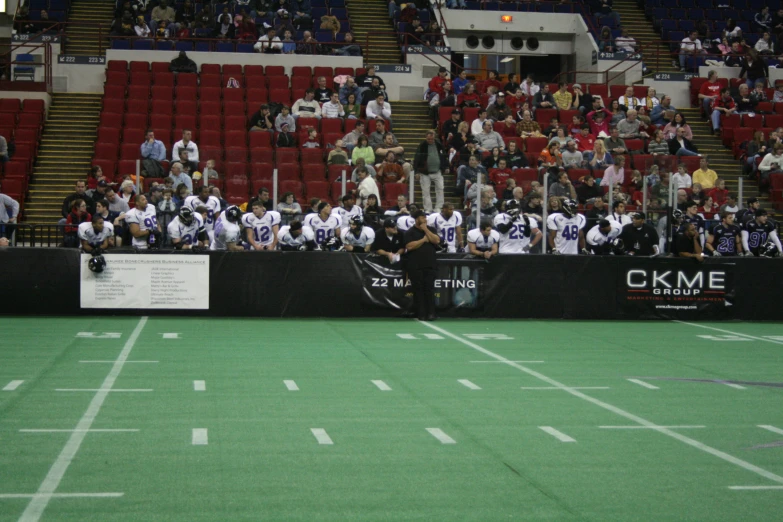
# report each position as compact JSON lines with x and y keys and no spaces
{"x":161,"y":121}
{"x":15,"y":169}
{"x":210,"y":137}
{"x":211,"y":80}
{"x":211,"y":107}
{"x":114,"y":91}
{"x":288,"y":172}
{"x":186,"y":107}
{"x":135,"y":120}
{"x":575,"y":174}
{"x":187,"y":80}
{"x":347,"y":71}
{"x":139,"y":66}
{"x":116,"y":77}
{"x":392,"y":190}
{"x":318,"y":189}
{"x":599,"y":89}
{"x":262,"y":171}
{"x":210,"y":68}
{"x":235,"y":95}
{"x":331,"y":125}
{"x":521,"y":175}
{"x":260,"y":139}
{"x":105,"y":135}
{"x":140,"y":105}
{"x":232,"y":70}
{"x":106,"y":151}
{"x":300,"y":70}
{"x":117,"y":65}
{"x":350,"y":125}
{"x":275,"y":70}
{"x":567,"y":116}
{"x":235,"y":138}
{"x":535,"y":145}
{"x":256,"y":96}
{"x":292,"y":186}
{"x":188,"y":92}
{"x":254,"y":71}
{"x":280,"y":96}
{"x":336,"y":171}
{"x":337,"y":189}
{"x":261,"y":155}
{"x":115,"y":105}
{"x":133,"y":134}
{"x":129,"y":151}
{"x":140,"y":78}
{"x":164,"y":78}
{"x":773,"y":120}
{"x":634,"y":144}
{"x":544,"y":115}
{"x":235,"y":123}
{"x":209,"y":121}
{"x":237,"y":169}
{"x":139,"y":91}
{"x":159,"y":67}
{"x":277,"y":82}
{"x":300,"y":83}
{"x":164,"y":92}
{"x":236,"y":153}
{"x":234,"y":108}
{"x":286,"y":156}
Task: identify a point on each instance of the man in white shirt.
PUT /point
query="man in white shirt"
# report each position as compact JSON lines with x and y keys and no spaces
{"x":529,"y":87}
{"x":379,"y":108}
{"x":333,"y":108}
{"x":625,"y":43}
{"x":614,"y":174}
{"x":478,"y":124}
{"x":307,"y":107}
{"x":269,"y":43}
{"x":185,"y":144}
{"x":690,"y":45}
{"x":681,"y":179}
{"x":367,"y":185}
{"x":628,"y":99}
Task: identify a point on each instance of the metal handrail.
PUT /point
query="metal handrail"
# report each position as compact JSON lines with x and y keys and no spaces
{"x":47,"y":60}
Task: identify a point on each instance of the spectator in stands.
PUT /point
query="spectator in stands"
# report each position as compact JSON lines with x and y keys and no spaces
{"x":373,"y":92}
{"x":599,"y":157}
{"x":269,"y":43}
{"x":450,"y":126}
{"x":562,"y":97}
{"x":333,"y":108}
{"x":682,"y":146}
{"x":153,"y":152}
{"x":312,"y":140}
{"x":614,"y":175}
{"x":690,"y":46}
{"x":771,"y":164}
{"x":754,"y":69}
{"x":477,"y":125}
{"x":435,"y":85}
{"x":663,"y":112}
{"x":186,"y":16}
{"x":389,"y":171}
{"x":709,"y":91}
{"x":350,"y":48}
{"x":488,"y":138}
{"x":527,"y":127}
{"x":9,"y":210}
{"x":618,"y":112}
{"x":177,"y":175}
{"x":205,"y":18}
{"x":605,"y":40}
{"x":572,"y":158}
{"x":730,"y":206}
{"x":378,"y":108}
{"x":188,"y":167}
{"x":754,"y":148}
{"x":337,"y":156}
{"x":263,"y":197}
{"x":322,"y":94}
{"x":762,"y":22}
{"x":543,"y":99}
{"x":719,"y":192}
{"x":631,"y":126}
{"x":529,"y":87}
{"x":658,"y":146}
{"x":285,"y":138}
{"x":624,"y":42}
{"x":584,"y":140}
{"x":365,"y":81}
{"x":562,"y":187}
{"x":360,"y":150}
{"x":262,"y":120}
{"x":247,"y":32}
{"x":561,"y":138}
{"x":285,"y":117}
{"x":349,"y":87}
{"x":765,"y":45}
{"x":367,"y":187}
{"x":628,"y":100}
{"x":225,"y":30}
{"x":670,"y":130}
{"x":77,"y":214}
{"x":509,"y":128}
{"x":307,"y":107}
{"x":605,"y":11}
{"x":3,"y":150}
{"x":491,"y":161}
{"x":499,"y":110}
{"x":141,"y":28}
{"x":651,"y":100}
{"x":723,"y":105}
{"x":187,"y":145}
{"x":288,"y":208}
{"x":777,"y":25}
{"x":599,"y":125}
{"x":361,"y":162}
{"x":351,"y":139}
{"x":516,"y":158}
{"x":308,"y":45}
{"x":745,"y":103}
{"x":460,"y":137}
{"x":163,"y":13}
{"x":377,"y":137}
{"x":759,"y":94}
{"x":430,"y":161}
{"x":550,"y":158}
{"x":116,"y":203}
{"x":352,"y":108}
{"x":499,"y":175}
{"x":736,"y":58}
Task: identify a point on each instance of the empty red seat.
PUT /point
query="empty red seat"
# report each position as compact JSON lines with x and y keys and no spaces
{"x":163,"y":92}
{"x":164,"y":78}
{"x":139,"y":91}
{"x":140,"y":78}
{"x":117,"y":65}
{"x":254,"y":71}
{"x":521,"y":175}
{"x":115,"y":105}
{"x":260,"y":139}
{"x":142,"y":106}
{"x":15,"y":169}
{"x":130,"y":151}
{"x":261,"y":155}
{"x":29,"y":119}
{"x":134,"y":120}
{"x":187,"y":80}
{"x":107,"y":151}
{"x":277,"y":82}
{"x":210,"y":68}
{"x":392,"y":190}
{"x":105,"y":135}
{"x":116,"y":78}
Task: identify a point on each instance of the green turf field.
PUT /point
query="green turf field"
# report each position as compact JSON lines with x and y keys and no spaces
{"x":432,"y":422}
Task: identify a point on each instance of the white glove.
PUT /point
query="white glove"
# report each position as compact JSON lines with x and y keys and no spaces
{"x":715,"y":253}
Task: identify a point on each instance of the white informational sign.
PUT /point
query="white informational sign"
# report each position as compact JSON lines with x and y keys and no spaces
{"x":147,"y":281}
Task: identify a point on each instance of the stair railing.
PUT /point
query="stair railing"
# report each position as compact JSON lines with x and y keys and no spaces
{"x":6,"y":58}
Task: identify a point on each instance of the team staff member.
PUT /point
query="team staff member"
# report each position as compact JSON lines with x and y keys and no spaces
{"x":389,"y":242}
{"x":420,"y":243}
{"x":639,"y":238}
{"x":688,"y":244}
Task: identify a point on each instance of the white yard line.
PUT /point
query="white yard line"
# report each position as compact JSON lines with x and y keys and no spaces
{"x":199,"y":385}
{"x":200,"y":437}
{"x":321,"y":436}
{"x":642,"y":383}
{"x":104,"y":390}
{"x":46,"y":490}
{"x":382,"y":385}
{"x":441,"y":436}
{"x":11,"y":386}
{"x":126,"y":362}
{"x":730,"y":332}
{"x":559,"y":388}
{"x":559,"y":435}
{"x":732,"y":385}
{"x":61,"y":495}
{"x":85,"y":431}
{"x":754,"y":488}
{"x":501,"y":362}
{"x":649,"y":427}
{"x":467,"y":384}
{"x":291,"y":385}
{"x":614,"y":409}
{"x":773,"y":429}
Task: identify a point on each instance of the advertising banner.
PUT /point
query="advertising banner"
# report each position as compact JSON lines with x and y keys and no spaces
{"x":673,"y":289}
{"x":153,"y":281}
{"x":459,"y":284}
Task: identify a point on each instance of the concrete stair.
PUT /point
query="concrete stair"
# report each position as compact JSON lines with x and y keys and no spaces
{"x":371,"y":25}
{"x":82,"y":34}
{"x":655,"y":56}
{"x":65,"y":153}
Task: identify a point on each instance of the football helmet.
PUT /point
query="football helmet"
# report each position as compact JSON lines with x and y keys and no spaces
{"x":569,"y":207}
{"x":333,"y":244}
{"x":768,"y":250}
{"x":186,"y":216}
{"x":233,"y":214}
{"x":358,"y":221}
{"x":512,"y":208}
{"x":96,"y":264}
{"x":676,"y":214}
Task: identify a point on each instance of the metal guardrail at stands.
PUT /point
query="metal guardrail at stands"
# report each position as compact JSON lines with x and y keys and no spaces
{"x":27,"y":47}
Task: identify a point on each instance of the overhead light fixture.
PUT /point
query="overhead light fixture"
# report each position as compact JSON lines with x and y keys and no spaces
{"x":507,"y":59}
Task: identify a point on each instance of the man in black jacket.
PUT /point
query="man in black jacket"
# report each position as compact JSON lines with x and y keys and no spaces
{"x":183,"y":64}
{"x":681,"y":146}
{"x":389,"y":241}
{"x":80,"y":193}
{"x":429,"y":163}
{"x":639,"y":238}
{"x":421,"y":266}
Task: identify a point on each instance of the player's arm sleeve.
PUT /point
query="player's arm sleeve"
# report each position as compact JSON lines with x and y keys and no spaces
{"x":501,"y":225}
{"x":745,"y":246}
{"x":173,"y":231}
{"x":82,"y":234}
{"x":775,"y":239}
{"x":370,"y":236}
{"x":342,"y":235}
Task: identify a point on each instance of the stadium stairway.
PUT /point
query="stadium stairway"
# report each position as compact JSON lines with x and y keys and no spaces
{"x":641,"y":29}
{"x":411,"y":123}
{"x":82,"y":35}
{"x":371,"y":17}
{"x":65,"y":153}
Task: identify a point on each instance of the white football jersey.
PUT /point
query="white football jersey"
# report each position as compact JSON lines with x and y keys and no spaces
{"x":596,"y":238}
{"x":284,"y":236}
{"x":213,"y":209}
{"x":87,"y":233}
{"x":621,"y":219}
{"x":263,"y":227}
{"x":146,"y":219}
{"x":446,"y":228}
{"x":323,"y":230}
{"x":366,"y":237}
{"x":482,"y":242}
{"x":514,"y":241}
{"x":345,"y":215}
{"x":567,"y":237}
{"x":225,"y":232}
{"x":187,"y":234}
{"x":405,"y":223}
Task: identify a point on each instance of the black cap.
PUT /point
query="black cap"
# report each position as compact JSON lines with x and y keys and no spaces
{"x":103,"y":184}
{"x":639,"y":215}
{"x":752,"y":200}
{"x":455,"y":111}
{"x":389,"y":223}
{"x":760,"y":212}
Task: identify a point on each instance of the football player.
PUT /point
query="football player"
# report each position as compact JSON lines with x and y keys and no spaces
{"x":405,"y":221}
{"x":618,"y":214}
{"x":483,"y":241}
{"x":227,"y":235}
{"x":725,"y":238}
{"x":96,"y":234}
{"x":210,"y":202}
{"x":692,"y":216}
{"x":516,"y":230}
{"x":143,"y":224}
{"x":757,"y":232}
{"x":261,"y":227}
{"x":602,"y":239}
{"x":357,"y":238}
{"x":325,"y":225}
{"x":566,"y":234}
{"x":296,"y":237}
{"x":448,"y":225}
{"x":347,"y":211}
{"x":187,"y":230}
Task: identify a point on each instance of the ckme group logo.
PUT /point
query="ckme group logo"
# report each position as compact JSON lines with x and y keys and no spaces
{"x":682,"y":285}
